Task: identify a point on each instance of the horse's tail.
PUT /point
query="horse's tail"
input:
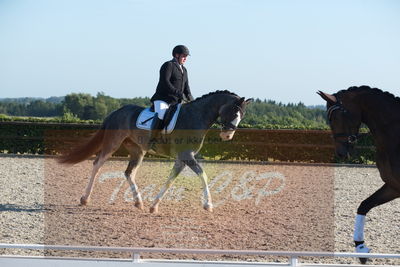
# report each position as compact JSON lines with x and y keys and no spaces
{"x":84,"y":151}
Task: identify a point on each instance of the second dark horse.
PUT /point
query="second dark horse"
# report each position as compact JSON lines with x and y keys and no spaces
{"x":380,"y":111}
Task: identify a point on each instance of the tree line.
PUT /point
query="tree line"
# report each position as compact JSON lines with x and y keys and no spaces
{"x":78,"y":105}
{"x":262,"y":114}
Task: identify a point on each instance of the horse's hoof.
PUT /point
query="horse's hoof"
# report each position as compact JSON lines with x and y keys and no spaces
{"x":154,"y":209}
{"x":362,"y":248}
{"x":208,"y":207}
{"x":363,"y":260}
{"x":84,"y":201}
{"x":139,"y":205}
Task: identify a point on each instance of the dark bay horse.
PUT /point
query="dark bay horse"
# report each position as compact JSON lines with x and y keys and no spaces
{"x":380,"y":111}
{"x":195,"y":119}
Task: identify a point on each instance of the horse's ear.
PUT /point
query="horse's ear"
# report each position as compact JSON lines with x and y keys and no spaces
{"x":249,"y":100}
{"x":331,"y":99}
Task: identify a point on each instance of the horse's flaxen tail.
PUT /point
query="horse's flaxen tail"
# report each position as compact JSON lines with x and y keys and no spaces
{"x":84,"y":151}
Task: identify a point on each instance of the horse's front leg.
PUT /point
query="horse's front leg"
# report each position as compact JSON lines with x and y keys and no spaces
{"x":194,"y":165}
{"x":178,"y":167}
{"x":381,"y":196}
{"x":207,"y":196}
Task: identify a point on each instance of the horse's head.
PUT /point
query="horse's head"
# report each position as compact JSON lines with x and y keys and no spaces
{"x":231,"y":114}
{"x":345,"y":120}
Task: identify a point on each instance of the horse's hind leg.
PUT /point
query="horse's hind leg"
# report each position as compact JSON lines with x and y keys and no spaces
{"x":136,"y":158}
{"x":178,"y":167}
{"x":98,"y":162}
{"x":381,"y":196}
{"x":115,"y":139}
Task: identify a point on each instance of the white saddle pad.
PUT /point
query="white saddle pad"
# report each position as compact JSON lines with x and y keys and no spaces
{"x":145,"y":119}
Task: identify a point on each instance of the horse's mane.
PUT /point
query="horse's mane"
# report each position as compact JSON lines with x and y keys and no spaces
{"x":367,"y":89}
{"x":215,"y":93}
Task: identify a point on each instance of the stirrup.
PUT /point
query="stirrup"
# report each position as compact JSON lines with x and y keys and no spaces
{"x":154,"y":140}
{"x":152,"y":147}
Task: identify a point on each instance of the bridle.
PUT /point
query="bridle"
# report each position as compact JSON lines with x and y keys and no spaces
{"x":229,"y":126}
{"x":348,"y":137}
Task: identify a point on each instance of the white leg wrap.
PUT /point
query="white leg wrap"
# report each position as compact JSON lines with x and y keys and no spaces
{"x":359,"y":228}
{"x":362,"y":248}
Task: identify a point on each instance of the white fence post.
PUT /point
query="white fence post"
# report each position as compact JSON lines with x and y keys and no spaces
{"x":294,"y":261}
{"x":136,"y":257}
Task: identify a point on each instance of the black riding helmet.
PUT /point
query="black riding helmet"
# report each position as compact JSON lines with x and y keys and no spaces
{"x":180,"y":49}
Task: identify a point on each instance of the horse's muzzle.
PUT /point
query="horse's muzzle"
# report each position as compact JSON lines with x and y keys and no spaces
{"x":344,"y":150}
{"x":227,"y":135}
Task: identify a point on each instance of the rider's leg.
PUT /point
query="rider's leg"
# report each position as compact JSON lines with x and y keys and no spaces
{"x":156,"y":127}
{"x":160,"y":107}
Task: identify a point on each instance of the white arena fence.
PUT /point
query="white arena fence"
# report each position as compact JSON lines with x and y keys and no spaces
{"x":136,"y":260}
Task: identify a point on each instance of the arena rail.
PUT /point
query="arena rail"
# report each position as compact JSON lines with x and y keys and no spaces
{"x":293,"y":257}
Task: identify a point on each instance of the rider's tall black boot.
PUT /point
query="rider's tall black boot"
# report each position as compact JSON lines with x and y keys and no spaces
{"x":156,"y":127}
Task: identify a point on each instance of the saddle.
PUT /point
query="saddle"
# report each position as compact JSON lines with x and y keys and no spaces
{"x":145,"y":118}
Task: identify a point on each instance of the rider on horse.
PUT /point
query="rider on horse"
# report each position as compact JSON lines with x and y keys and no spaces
{"x":172,"y":88}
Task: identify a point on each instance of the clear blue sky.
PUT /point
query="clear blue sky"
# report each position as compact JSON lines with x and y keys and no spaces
{"x":270,"y":49}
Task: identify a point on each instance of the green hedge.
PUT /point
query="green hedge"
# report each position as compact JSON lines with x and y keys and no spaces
{"x":33,"y":137}
{"x":248,"y":144}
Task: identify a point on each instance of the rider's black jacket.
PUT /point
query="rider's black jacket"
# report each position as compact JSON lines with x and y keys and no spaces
{"x":173,"y":86}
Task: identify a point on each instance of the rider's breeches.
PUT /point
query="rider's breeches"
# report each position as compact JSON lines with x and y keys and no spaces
{"x":160,"y":107}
